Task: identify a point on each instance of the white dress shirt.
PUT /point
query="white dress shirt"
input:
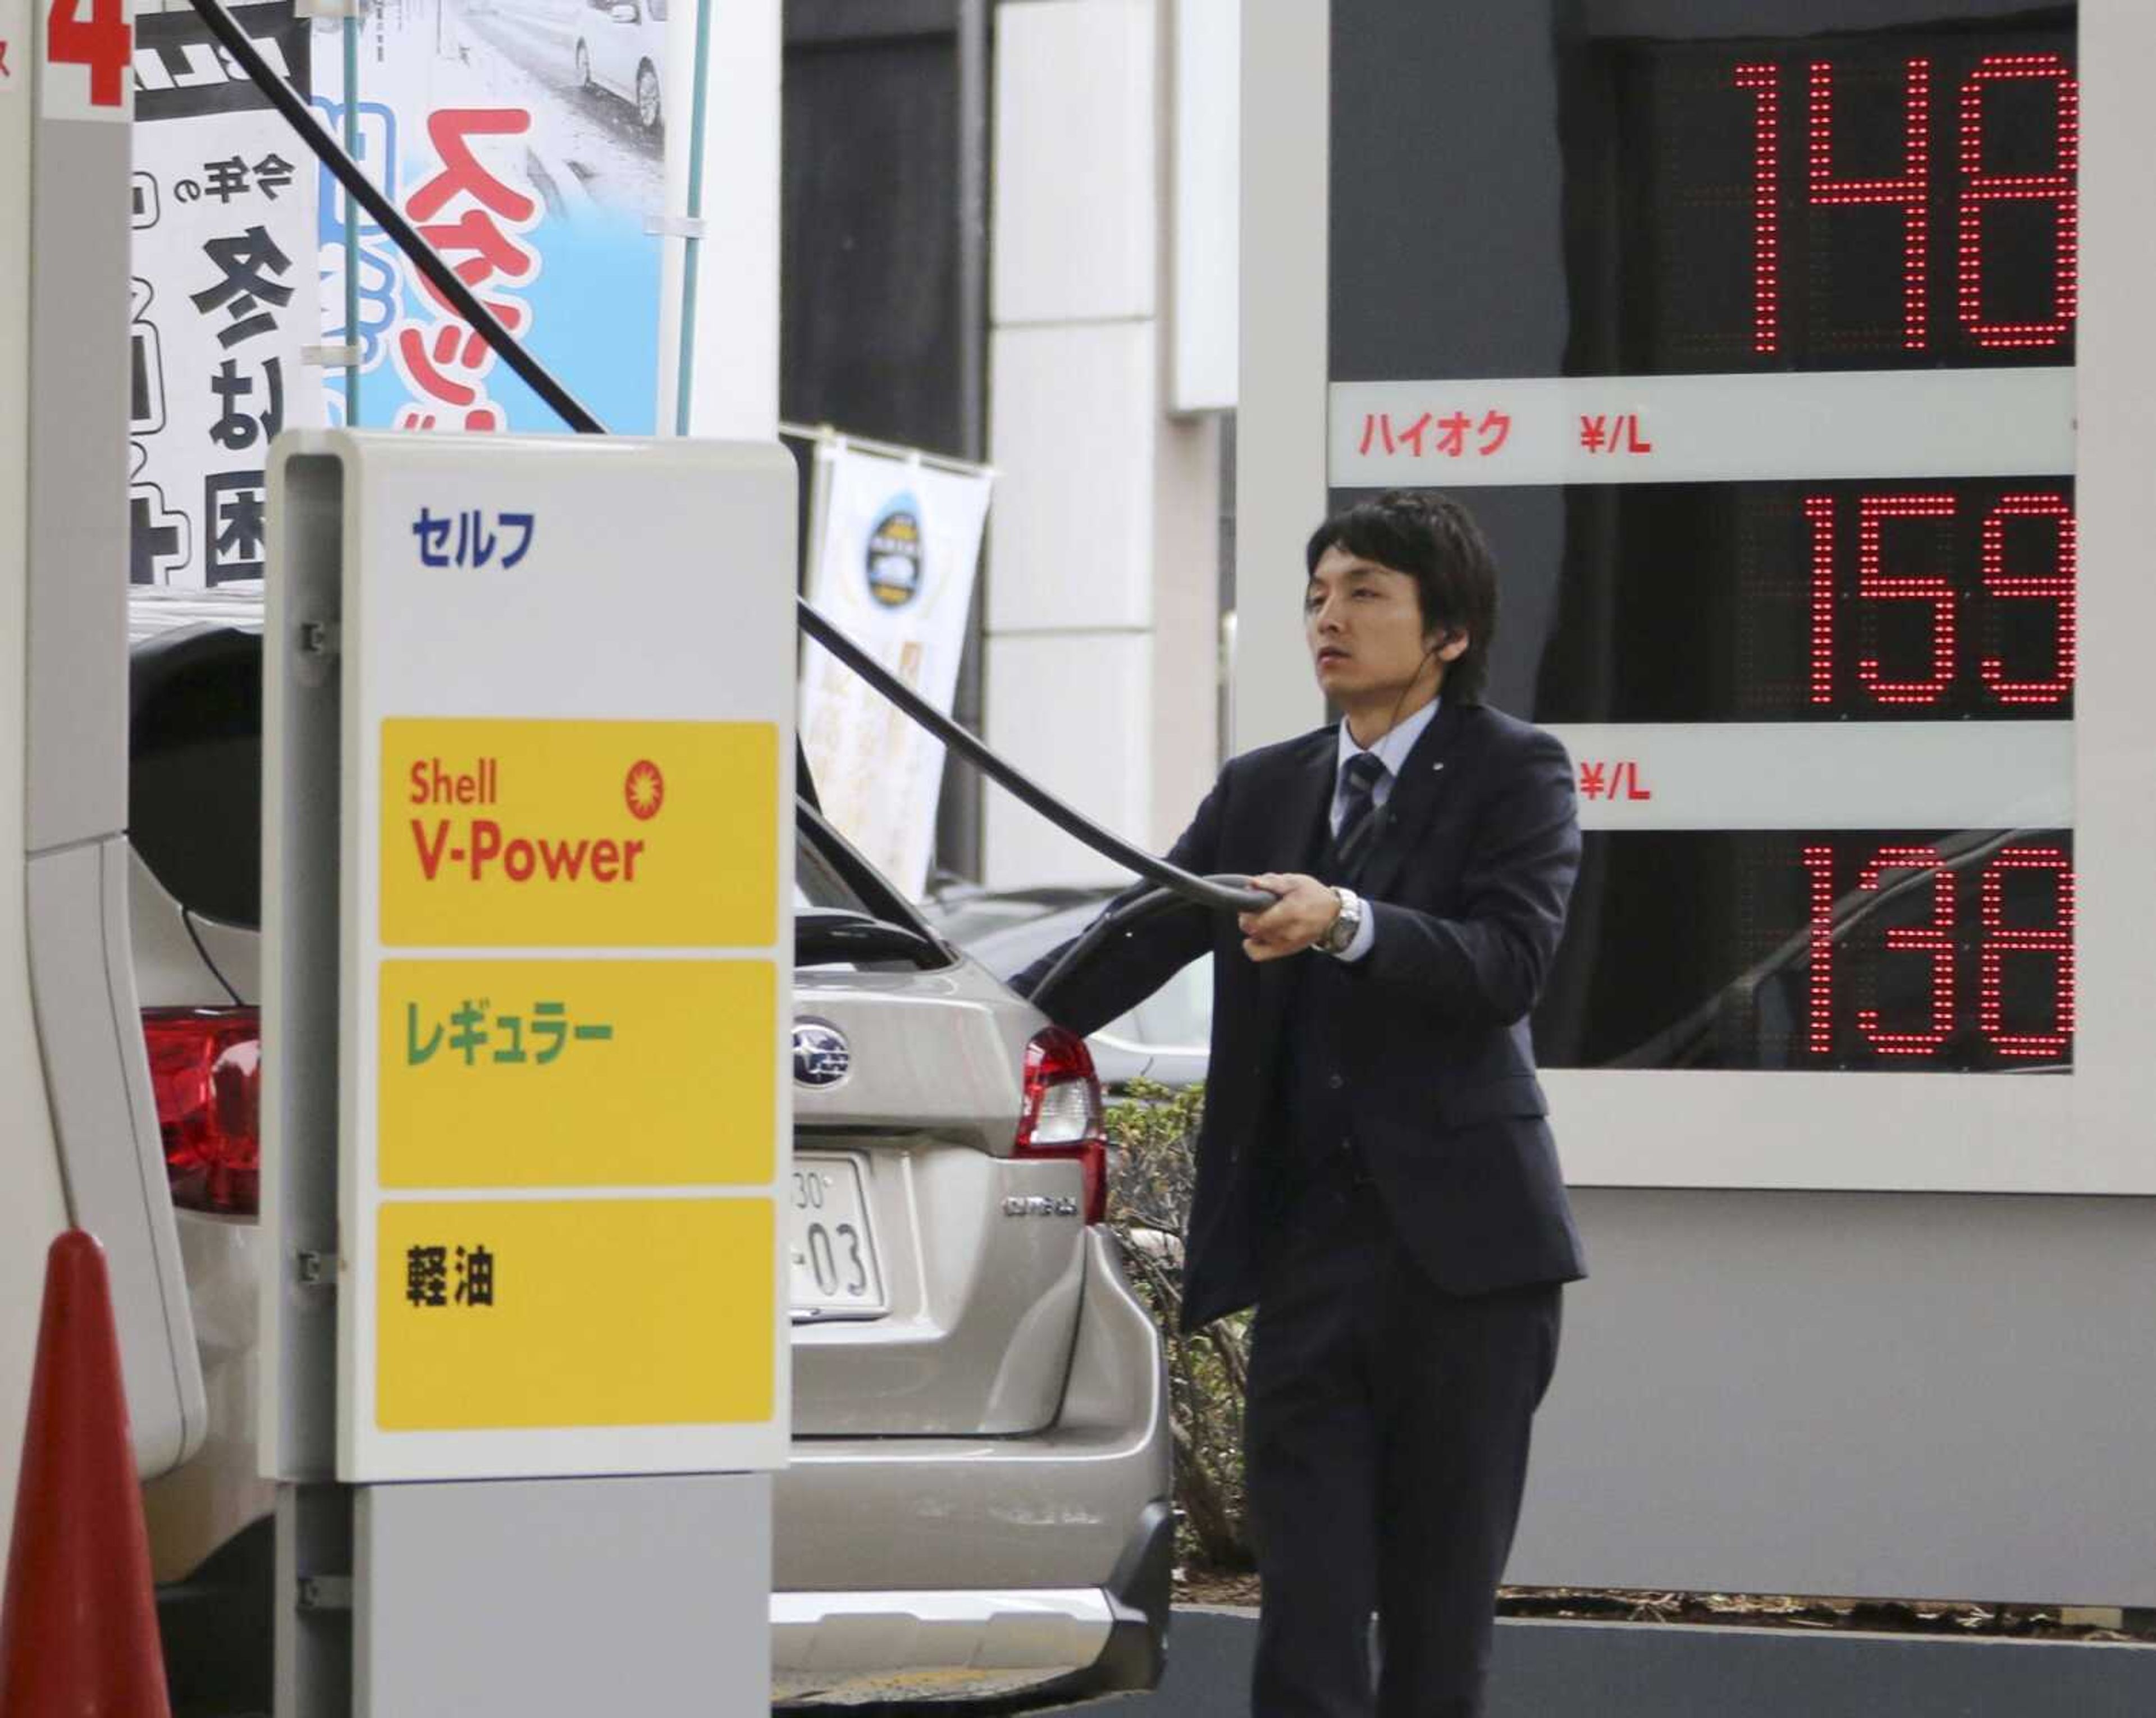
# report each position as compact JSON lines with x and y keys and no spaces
{"x":1392,"y":752}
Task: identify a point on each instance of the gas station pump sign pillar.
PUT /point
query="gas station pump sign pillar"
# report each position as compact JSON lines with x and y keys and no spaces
{"x":529,"y":893}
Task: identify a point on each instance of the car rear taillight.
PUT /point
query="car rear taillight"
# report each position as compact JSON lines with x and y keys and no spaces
{"x":206,"y":1069}
{"x":1062,"y":1113}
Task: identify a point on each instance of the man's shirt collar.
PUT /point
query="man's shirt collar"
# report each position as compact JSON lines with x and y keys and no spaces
{"x":1393,"y":749}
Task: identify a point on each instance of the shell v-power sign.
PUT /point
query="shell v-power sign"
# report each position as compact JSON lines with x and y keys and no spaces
{"x":567,"y":786}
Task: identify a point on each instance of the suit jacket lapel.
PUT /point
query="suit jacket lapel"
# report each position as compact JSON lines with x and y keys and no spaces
{"x":1305,"y":802}
{"x":1415,"y":797}
{"x":1294,"y":838}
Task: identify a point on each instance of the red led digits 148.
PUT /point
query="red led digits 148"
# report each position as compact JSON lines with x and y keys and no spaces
{"x":1939,"y":589}
{"x":2052,"y":944}
{"x":1980,"y":187}
{"x":1913,"y":191}
{"x":1765,"y":82}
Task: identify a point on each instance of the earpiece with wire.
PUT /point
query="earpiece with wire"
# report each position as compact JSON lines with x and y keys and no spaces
{"x":1393,"y":720}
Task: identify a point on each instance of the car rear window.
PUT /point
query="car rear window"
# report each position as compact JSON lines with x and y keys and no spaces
{"x":194,"y":783}
{"x":817,"y":883}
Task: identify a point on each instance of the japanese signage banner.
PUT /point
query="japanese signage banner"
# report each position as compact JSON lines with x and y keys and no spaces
{"x":898,"y":543}
{"x":525,"y":139}
{"x":1593,"y":429}
{"x":14,"y":44}
{"x":223,"y":295}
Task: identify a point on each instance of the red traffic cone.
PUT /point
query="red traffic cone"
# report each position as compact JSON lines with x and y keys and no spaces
{"x":78,"y":1623}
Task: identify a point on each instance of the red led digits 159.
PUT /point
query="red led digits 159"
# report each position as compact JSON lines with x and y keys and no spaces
{"x":1913,"y":191}
{"x":1872,"y":511}
{"x":2057,"y":587}
{"x":1940,"y":588}
{"x":1888,"y":869}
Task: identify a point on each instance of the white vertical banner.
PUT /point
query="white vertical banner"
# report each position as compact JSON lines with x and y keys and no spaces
{"x":896,"y":546}
{"x":223,"y":298}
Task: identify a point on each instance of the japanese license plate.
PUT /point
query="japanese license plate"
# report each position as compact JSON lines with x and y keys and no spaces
{"x":836,"y":1273}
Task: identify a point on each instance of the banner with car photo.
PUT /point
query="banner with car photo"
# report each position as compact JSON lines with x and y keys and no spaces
{"x":526,"y":140}
{"x":895,"y":546}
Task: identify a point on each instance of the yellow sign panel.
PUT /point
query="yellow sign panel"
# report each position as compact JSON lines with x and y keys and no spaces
{"x":504,"y":1314}
{"x":562,"y":1074}
{"x":590,"y":835}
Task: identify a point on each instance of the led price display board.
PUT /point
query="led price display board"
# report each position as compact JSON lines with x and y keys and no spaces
{"x":1901,"y":199}
{"x":1859,"y":202}
{"x":1749,"y":334}
{"x":1947,"y":951}
{"x":1870,"y":601}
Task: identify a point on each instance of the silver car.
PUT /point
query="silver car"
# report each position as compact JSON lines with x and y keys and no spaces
{"x":1165,"y":1039}
{"x":978,"y":1501}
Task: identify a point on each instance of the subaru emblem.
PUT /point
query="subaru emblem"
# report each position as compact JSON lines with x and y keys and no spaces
{"x":821,"y":1057}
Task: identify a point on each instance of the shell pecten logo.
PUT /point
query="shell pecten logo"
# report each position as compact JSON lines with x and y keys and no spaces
{"x":644,"y":789}
{"x":498,"y":832}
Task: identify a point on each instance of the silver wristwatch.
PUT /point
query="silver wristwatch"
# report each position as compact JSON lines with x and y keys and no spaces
{"x":1340,"y":934}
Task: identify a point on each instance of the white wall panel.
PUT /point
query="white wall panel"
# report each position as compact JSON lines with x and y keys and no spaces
{"x":1186,"y":685}
{"x":1205,"y":211}
{"x":1070,"y":535}
{"x":1075,"y":204}
{"x":1074,"y":711}
{"x":1280,"y":451}
{"x":2115,"y":820}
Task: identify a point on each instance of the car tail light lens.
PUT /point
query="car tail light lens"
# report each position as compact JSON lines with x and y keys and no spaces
{"x":1062,"y":1113}
{"x":206,"y":1069}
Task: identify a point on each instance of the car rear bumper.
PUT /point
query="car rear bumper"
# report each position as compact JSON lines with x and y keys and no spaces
{"x":825,"y":1647}
{"x":958,"y":1644}
{"x":1055,"y":1509}
{"x":947,"y":1568}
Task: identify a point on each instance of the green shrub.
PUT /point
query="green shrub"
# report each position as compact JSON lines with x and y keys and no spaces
{"x":1154,"y":1133}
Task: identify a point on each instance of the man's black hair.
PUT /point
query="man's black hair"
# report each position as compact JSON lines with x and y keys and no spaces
{"x":1434,"y":541}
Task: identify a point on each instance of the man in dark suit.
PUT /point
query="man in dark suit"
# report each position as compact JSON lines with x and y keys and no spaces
{"x":1374,"y":1171}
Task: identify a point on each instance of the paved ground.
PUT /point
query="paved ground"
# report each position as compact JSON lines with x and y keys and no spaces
{"x":1208,"y":1676}
{"x":1209,"y":1670}
{"x":1560,"y":1669}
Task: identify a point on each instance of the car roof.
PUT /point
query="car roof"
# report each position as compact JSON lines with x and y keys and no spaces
{"x":1005,"y":930}
{"x":154,"y":610}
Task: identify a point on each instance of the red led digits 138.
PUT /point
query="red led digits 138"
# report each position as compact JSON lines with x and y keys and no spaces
{"x":1915,"y":190}
{"x":1836,"y":927}
{"x":1939,"y":589}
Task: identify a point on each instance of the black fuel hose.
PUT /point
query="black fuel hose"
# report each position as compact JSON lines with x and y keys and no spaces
{"x":1126,"y":917}
{"x":573,"y":412}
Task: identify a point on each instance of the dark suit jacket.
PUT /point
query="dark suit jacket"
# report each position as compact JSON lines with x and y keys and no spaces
{"x":1467,"y":878}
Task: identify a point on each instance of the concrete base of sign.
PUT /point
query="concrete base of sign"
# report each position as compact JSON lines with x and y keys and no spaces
{"x":562,"y":1596}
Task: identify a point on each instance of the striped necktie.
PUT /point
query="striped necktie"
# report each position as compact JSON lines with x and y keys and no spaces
{"x":1359,"y":778}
